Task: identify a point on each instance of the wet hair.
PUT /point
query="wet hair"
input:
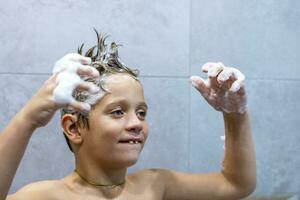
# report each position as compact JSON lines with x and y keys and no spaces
{"x":106,"y":61}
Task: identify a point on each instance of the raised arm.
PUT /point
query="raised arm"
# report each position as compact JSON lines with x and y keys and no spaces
{"x":38,"y":112}
{"x":239,"y":166}
{"x":224,"y":90}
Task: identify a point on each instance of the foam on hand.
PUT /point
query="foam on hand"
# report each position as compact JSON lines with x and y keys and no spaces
{"x":68,"y":80}
{"x":67,"y":83}
{"x":224,"y":89}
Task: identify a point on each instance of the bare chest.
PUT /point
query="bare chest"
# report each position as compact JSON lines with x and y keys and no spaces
{"x":111,"y":195}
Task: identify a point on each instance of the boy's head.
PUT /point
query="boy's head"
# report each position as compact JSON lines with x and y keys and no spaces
{"x":105,"y":59}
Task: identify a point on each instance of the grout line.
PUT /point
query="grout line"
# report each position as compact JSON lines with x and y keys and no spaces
{"x":190,"y":92}
{"x":25,"y":74}
{"x":272,"y":79}
{"x":165,"y":76}
{"x":157,"y":76}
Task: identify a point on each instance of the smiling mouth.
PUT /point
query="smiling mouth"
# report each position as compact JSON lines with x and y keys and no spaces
{"x":130,"y":142}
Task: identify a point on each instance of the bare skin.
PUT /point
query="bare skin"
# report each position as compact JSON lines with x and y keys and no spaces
{"x":102,"y":158}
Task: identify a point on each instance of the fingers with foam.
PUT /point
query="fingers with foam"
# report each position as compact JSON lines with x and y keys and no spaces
{"x":225,"y":75}
{"x":224,"y":89}
{"x":66,"y":83}
{"x":214,"y":69}
{"x":68,"y":70}
{"x":78,"y":58}
{"x":239,"y":80}
{"x":88,"y":86}
{"x":86,"y":70}
{"x":200,"y":84}
{"x":206,"y":66}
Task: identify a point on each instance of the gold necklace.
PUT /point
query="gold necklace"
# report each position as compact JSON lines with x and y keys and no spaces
{"x":99,"y":184}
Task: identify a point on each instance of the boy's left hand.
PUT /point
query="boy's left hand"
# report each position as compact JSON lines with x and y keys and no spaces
{"x":224,"y":89}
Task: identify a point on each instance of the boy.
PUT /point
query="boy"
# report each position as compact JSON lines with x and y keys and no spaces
{"x":104,"y":122}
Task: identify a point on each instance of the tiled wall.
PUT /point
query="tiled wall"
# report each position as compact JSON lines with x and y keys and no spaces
{"x":262,"y":39}
{"x":167,"y":41}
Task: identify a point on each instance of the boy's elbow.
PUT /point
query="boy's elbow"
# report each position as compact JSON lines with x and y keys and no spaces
{"x":249,"y":191}
{"x":246,"y":189}
{"x":242,"y":188}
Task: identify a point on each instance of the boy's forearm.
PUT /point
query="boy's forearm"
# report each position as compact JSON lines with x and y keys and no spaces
{"x":239,"y":166}
{"x":13,"y":141}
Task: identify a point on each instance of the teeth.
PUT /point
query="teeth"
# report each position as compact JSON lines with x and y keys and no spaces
{"x":133,"y":142}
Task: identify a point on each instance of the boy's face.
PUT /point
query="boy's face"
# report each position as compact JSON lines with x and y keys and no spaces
{"x":117,"y":125}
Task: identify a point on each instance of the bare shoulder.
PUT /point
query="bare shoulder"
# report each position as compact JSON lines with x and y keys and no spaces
{"x":39,"y":190}
{"x":149,"y":176}
{"x":149,"y":180}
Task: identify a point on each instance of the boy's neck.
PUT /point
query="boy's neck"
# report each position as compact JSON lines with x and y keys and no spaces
{"x":100,"y":175}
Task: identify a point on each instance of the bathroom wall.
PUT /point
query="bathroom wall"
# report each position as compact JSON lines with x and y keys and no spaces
{"x":261,"y":38}
{"x":167,"y":41}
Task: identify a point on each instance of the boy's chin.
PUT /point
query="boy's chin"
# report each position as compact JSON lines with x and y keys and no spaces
{"x":123,"y":160}
{"x":127,"y":161}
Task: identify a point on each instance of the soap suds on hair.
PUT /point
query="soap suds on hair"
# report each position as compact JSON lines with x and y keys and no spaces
{"x":68,"y":80}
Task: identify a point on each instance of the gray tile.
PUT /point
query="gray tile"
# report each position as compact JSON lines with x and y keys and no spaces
{"x":261,"y":38}
{"x":275,"y":117}
{"x":275,"y":124}
{"x":167,"y":145}
{"x":155,"y":39}
{"x":47,"y":156}
{"x":16,"y":91}
{"x":206,"y":129}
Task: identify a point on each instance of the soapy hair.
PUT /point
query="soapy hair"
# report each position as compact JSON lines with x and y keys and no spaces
{"x":107,"y":62}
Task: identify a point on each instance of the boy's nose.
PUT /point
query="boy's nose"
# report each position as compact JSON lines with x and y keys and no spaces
{"x":134,"y":124}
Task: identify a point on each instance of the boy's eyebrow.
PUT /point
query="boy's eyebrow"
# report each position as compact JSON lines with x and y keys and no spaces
{"x":143,"y":104}
{"x":122,"y":101}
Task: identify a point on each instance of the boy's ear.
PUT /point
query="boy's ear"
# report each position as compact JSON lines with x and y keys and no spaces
{"x":71,"y":129}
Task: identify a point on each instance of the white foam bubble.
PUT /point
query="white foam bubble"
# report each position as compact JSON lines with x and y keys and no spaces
{"x":68,"y":80}
{"x":222,"y":137}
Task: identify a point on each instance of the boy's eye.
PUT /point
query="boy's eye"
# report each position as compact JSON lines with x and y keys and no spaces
{"x":117,"y":113}
{"x":142,"y":114}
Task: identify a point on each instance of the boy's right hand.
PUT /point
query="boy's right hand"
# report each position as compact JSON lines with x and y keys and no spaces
{"x":56,"y":92}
